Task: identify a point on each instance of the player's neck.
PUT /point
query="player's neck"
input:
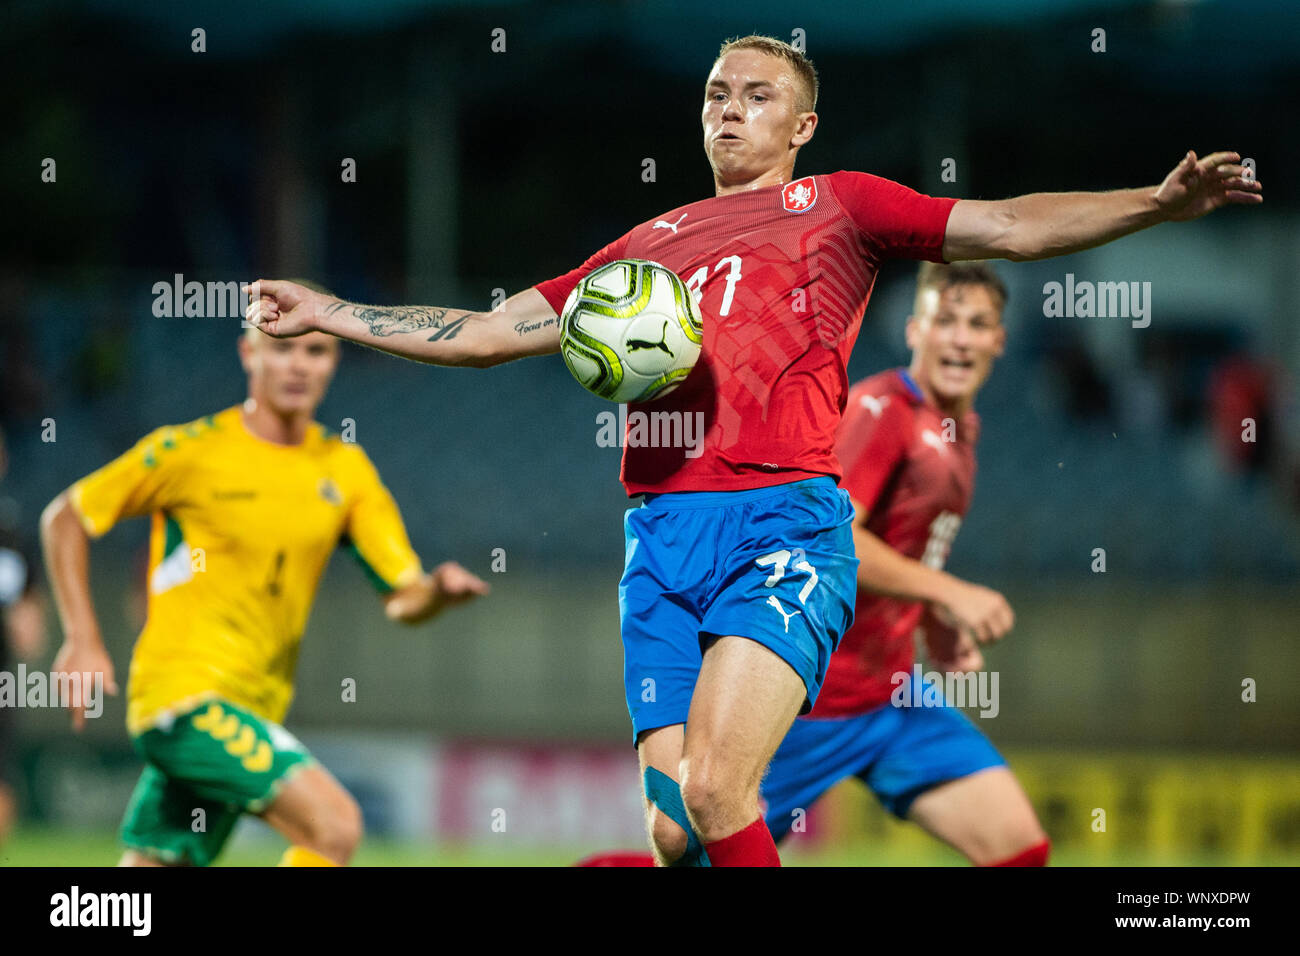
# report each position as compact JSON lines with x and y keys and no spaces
{"x":264,"y":423}
{"x":773,"y":177}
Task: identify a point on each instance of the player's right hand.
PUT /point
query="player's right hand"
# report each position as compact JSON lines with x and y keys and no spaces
{"x":80,"y":659}
{"x":951,"y":649}
{"x":983,"y":611}
{"x":282,"y":308}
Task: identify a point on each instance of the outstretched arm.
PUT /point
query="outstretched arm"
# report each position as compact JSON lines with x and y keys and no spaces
{"x":1042,"y":225}
{"x":523,"y":325}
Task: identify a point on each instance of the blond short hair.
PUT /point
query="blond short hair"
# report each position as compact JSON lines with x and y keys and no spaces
{"x":804,"y":70}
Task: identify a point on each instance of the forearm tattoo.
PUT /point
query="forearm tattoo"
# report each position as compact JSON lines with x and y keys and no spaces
{"x":523,"y":328}
{"x":397,"y":319}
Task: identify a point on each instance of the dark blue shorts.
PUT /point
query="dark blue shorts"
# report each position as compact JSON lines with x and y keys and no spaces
{"x":899,"y":752}
{"x":774,"y":565}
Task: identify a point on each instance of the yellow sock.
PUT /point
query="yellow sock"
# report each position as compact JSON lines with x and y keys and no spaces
{"x":301,"y":856}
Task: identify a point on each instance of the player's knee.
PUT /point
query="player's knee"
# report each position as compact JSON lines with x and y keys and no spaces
{"x":1019,"y":842}
{"x":668,"y":840}
{"x":336,"y":832}
{"x":706,"y":792}
{"x":349,"y":827}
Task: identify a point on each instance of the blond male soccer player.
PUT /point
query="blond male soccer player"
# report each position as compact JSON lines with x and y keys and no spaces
{"x":247,"y":506}
{"x":740,"y":570}
{"x":907,"y":446}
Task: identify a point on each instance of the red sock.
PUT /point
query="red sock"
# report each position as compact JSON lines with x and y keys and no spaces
{"x":1036,"y":855}
{"x":752,"y":846}
{"x":618,"y":858}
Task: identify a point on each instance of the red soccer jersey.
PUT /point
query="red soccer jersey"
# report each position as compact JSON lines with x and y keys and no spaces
{"x":913,"y":470}
{"x":782,"y":275}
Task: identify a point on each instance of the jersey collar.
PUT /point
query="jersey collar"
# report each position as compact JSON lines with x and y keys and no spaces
{"x":912,"y":387}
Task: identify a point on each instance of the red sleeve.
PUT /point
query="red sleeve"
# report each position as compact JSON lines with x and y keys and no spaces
{"x":556,"y":291}
{"x":871,"y":447}
{"x":894,"y":221}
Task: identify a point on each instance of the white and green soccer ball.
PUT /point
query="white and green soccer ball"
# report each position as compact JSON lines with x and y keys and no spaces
{"x":631,"y":331}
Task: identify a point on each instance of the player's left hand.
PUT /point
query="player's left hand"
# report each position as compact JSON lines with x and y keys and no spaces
{"x":1195,"y":187}
{"x":445,"y":586}
{"x":456,"y":585}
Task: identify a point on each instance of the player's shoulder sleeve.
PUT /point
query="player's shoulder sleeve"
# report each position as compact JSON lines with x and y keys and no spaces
{"x":873,"y":439}
{"x":893,"y":220}
{"x":556,"y":291}
{"x":146,"y":478}
{"x":375,"y":533}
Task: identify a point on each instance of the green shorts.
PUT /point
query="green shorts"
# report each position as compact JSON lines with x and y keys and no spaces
{"x":202,"y":771}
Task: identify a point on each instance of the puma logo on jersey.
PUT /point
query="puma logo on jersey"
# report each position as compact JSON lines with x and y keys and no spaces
{"x":771,"y":599}
{"x":874,"y":405}
{"x":661,"y":224}
{"x":934,"y":441}
{"x":635,"y":344}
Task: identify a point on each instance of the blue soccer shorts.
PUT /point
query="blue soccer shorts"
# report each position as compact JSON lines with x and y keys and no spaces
{"x":898,"y":752}
{"x":775,"y":565}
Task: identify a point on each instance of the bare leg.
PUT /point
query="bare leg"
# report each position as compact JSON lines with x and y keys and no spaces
{"x":313,"y":810}
{"x":661,"y":748}
{"x":745,"y":700}
{"x":985,"y":816}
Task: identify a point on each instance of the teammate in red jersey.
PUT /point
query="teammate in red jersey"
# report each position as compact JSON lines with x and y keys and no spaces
{"x":907,"y":447}
{"x":731,"y":608}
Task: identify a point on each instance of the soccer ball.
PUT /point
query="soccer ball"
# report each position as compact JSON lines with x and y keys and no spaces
{"x":630,"y":331}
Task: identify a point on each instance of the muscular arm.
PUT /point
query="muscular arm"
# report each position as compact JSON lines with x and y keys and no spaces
{"x":883,"y":570}
{"x":523,"y":325}
{"x":67,"y":563}
{"x":1042,"y":225}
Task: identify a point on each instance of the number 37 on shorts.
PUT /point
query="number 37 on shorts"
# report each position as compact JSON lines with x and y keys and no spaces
{"x":792,"y":559}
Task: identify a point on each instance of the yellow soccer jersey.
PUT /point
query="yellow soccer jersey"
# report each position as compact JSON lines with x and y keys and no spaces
{"x":242,"y":529}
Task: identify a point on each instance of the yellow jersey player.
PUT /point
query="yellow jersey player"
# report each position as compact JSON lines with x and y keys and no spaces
{"x":247,"y":506}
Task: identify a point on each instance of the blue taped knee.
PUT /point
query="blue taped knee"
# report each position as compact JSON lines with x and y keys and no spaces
{"x":663,"y":792}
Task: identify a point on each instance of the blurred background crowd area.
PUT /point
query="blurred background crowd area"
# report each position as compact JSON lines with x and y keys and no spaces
{"x":480,"y":171}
